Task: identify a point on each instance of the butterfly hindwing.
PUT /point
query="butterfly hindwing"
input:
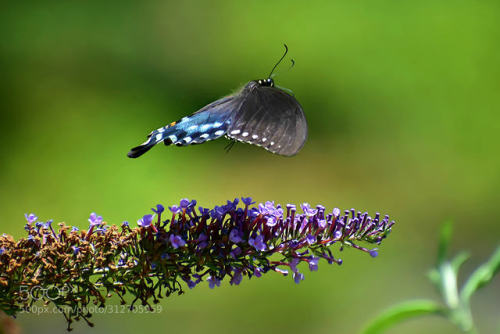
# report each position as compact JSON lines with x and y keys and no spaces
{"x":210,"y":122}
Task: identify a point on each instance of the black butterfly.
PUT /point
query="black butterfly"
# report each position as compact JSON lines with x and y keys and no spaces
{"x":260,"y":114}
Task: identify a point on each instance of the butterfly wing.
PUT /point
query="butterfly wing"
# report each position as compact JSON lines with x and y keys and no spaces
{"x":270,"y":118}
{"x":210,"y":122}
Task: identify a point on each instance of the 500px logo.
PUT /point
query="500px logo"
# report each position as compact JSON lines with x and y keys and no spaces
{"x":38,"y":292}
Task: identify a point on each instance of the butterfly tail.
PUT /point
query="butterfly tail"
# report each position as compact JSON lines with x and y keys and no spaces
{"x":137,"y":151}
{"x":154,"y":138}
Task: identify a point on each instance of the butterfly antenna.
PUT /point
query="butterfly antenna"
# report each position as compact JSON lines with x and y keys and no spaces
{"x":279,"y":61}
{"x":293,"y":64}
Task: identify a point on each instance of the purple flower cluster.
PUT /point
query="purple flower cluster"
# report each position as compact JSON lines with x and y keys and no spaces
{"x":188,"y":244}
{"x":243,"y":238}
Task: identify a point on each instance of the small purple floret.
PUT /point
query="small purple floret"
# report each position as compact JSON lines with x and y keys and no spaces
{"x":176,"y":241}
{"x":94,"y":219}
{"x":297,"y":277}
{"x":159,"y":209}
{"x":235,"y":252}
{"x":247,"y":201}
{"x":293,"y":264}
{"x":237,"y":277}
{"x":234,"y":236}
{"x":213,"y":281}
{"x":307,"y":210}
{"x":175,"y":209}
{"x":257,"y":243}
{"x":313,"y":263}
{"x":184,"y":203}
{"x":145,"y":221}
{"x":31,"y":218}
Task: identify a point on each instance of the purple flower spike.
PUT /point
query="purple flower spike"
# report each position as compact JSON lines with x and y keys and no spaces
{"x":176,"y":241}
{"x":31,"y":218}
{"x":258,"y":243}
{"x":213,"y":281}
{"x":159,"y":209}
{"x":74,"y":229}
{"x":145,"y":221}
{"x":163,"y":255}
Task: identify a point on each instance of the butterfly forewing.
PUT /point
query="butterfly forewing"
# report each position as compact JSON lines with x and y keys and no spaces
{"x":271,"y":118}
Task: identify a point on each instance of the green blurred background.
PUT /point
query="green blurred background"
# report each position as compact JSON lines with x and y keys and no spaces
{"x":402,"y":101}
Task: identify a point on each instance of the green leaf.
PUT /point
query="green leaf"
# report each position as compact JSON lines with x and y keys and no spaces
{"x":457,"y":262}
{"x":481,"y":276}
{"x":403,"y":311}
{"x":444,"y":241}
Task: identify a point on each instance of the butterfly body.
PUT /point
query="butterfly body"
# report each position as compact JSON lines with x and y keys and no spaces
{"x":260,"y":114}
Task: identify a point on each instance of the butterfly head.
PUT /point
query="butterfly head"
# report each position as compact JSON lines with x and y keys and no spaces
{"x":266,"y":82}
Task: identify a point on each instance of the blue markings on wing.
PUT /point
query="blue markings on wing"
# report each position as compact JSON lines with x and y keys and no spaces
{"x":196,"y":129}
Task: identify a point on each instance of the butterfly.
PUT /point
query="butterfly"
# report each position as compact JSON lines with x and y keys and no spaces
{"x":260,"y":114}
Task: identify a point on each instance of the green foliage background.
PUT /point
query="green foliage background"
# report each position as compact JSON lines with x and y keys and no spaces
{"x":402,"y":100}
